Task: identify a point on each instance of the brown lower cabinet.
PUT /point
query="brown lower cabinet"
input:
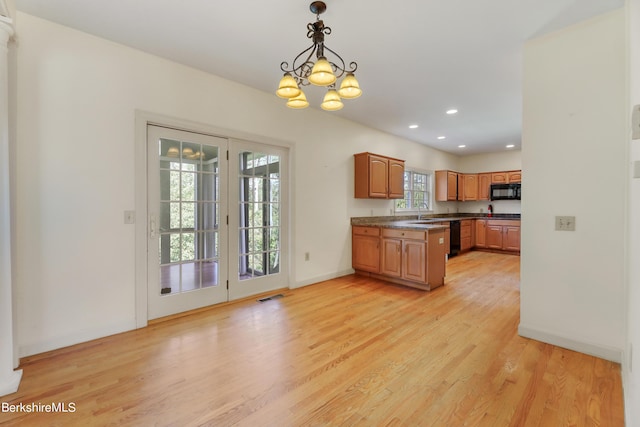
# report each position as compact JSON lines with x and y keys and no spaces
{"x":481,"y":233}
{"x":365,"y":254}
{"x":503,"y":235}
{"x":404,"y":254}
{"x":410,"y":257}
{"x":465,"y":235}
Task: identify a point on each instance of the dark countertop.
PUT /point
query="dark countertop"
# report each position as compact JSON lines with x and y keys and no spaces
{"x":425,"y":223}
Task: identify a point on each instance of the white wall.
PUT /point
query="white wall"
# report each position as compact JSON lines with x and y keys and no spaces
{"x":574,"y":159}
{"x":491,"y":162}
{"x":631,"y":368}
{"x":77,"y":97}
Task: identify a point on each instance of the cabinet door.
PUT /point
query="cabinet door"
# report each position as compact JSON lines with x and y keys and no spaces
{"x":484,"y":186}
{"x":514,"y":176}
{"x":499,"y":178}
{"x":494,"y":236}
{"x":391,"y":257}
{"x":511,"y":240}
{"x":465,"y":235}
{"x":378,"y":176}
{"x":470,"y":187}
{"x":414,"y":260}
{"x":452,"y":185}
{"x":481,"y":236}
{"x":365,"y":253}
{"x":396,"y":179}
{"x":446,"y":186}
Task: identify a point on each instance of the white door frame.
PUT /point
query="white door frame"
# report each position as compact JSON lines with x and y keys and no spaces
{"x":142,"y":120}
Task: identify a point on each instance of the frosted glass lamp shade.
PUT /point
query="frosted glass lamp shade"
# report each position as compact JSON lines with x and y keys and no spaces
{"x":349,"y":88}
{"x":322,"y":73}
{"x":298,"y":102}
{"x":288,"y":87}
{"x":331,"y":101}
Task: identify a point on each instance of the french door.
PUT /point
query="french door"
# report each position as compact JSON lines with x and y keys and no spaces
{"x":187,"y":207}
{"x":259,"y":218}
{"x":217,"y":212}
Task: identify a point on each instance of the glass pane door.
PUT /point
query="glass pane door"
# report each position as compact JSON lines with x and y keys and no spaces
{"x":259,"y":233}
{"x":260,"y":195}
{"x":187,"y":199}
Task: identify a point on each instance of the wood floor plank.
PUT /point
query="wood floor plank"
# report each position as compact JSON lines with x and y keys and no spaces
{"x":350,"y":351}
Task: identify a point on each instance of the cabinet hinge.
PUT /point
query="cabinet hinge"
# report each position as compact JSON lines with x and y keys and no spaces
{"x":227,"y":285}
{"x":227,"y":219}
{"x":227,"y":154}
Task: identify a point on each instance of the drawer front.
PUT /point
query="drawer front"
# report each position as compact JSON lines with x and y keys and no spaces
{"x":366,"y":231}
{"x":404,"y":234}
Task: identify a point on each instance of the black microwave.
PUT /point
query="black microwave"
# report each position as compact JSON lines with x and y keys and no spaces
{"x":505,"y":191}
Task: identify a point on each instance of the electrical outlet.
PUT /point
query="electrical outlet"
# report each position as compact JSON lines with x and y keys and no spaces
{"x":565,"y":223}
{"x":306,"y":256}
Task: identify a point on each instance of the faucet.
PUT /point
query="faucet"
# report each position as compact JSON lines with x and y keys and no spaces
{"x":423,"y":205}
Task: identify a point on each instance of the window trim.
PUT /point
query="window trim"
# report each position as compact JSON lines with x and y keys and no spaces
{"x":430,"y":186}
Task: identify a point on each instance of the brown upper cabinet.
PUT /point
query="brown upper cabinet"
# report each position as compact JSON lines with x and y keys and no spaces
{"x":446,"y":186}
{"x":514,"y":176}
{"x":378,"y":177}
{"x":452,"y":186}
{"x":506,"y":177}
{"x":470,"y":188}
{"x":484,"y":186}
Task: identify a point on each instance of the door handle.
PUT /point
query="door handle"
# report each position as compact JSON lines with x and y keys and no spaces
{"x":153,"y":226}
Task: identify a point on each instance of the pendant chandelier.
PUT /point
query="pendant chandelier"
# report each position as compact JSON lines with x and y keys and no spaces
{"x":324,"y":72}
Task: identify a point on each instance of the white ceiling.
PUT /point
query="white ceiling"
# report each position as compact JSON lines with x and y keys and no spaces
{"x":416,"y":58}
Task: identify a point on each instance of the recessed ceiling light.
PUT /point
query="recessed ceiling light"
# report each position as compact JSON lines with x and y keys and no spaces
{"x":510,"y":146}
{"x":441,"y":137}
{"x":461,"y":146}
{"x":413,"y":126}
{"x":452,"y":111}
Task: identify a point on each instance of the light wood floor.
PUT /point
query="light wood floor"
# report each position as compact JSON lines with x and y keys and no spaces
{"x":350,"y":351}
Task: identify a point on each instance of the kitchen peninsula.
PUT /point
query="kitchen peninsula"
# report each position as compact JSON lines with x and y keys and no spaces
{"x":412,"y":251}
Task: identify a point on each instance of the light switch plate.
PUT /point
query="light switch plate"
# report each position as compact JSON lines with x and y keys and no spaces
{"x":565,"y":223}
